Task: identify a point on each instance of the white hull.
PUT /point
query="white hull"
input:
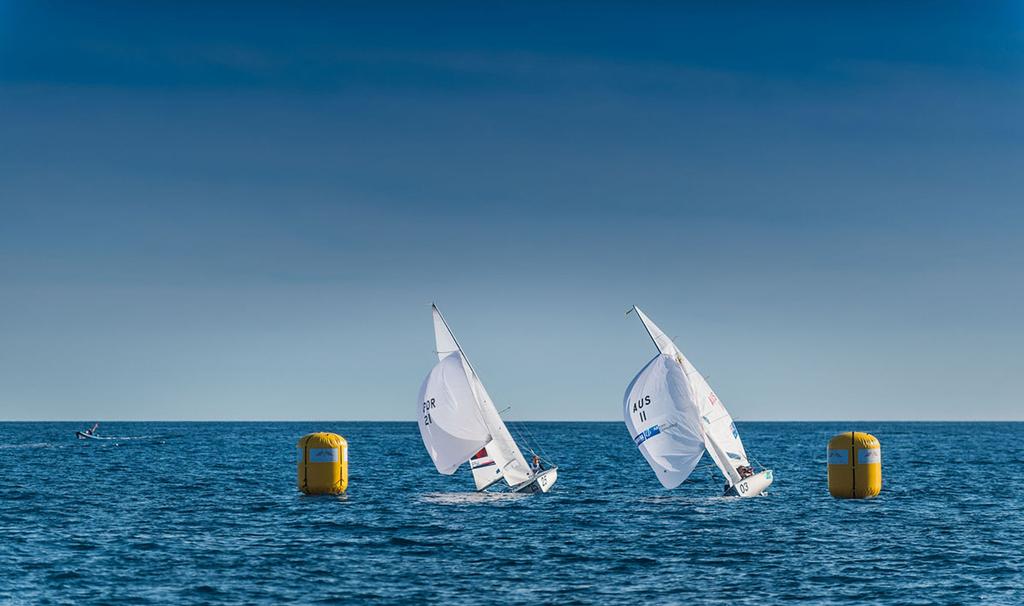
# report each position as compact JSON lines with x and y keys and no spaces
{"x":541,"y":482}
{"x":89,"y":436}
{"x":754,"y":486}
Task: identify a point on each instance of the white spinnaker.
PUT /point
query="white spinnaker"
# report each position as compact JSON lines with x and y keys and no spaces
{"x":450,"y":422}
{"x":723,"y":441}
{"x":503,"y":449}
{"x":663,"y":420}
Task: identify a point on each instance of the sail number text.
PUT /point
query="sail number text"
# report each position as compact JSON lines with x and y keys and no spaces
{"x":426,"y":410}
{"x":639,"y":405}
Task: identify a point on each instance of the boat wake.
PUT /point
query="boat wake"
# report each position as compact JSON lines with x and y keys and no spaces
{"x":30,"y":445}
{"x":470,"y":498}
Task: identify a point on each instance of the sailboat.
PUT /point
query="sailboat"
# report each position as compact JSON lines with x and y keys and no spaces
{"x":673,"y":416}
{"x":458,"y":423}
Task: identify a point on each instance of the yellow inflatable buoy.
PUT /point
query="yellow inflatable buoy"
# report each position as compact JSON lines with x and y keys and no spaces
{"x":323,"y":463}
{"x":854,"y":466}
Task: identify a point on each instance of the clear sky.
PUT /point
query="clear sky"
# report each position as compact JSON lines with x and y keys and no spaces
{"x":245,"y":212}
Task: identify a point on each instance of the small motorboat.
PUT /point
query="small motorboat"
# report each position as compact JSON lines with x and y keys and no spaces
{"x":85,"y":435}
{"x":89,"y":434}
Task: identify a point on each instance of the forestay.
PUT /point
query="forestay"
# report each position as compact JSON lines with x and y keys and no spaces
{"x":450,"y":423}
{"x":663,"y":420}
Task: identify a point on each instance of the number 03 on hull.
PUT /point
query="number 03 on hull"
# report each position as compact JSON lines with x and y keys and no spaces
{"x":673,"y":416}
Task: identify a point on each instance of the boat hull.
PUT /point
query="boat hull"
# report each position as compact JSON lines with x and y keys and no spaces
{"x":754,"y":486}
{"x":85,"y":436}
{"x":540,"y":483}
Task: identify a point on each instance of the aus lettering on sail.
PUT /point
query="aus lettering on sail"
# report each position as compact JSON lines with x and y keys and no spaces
{"x":638,"y":408}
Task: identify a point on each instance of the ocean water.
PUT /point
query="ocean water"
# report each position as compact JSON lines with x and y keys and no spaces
{"x":208,"y":513}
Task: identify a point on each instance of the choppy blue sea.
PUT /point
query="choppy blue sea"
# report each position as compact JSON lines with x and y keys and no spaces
{"x":208,"y":513}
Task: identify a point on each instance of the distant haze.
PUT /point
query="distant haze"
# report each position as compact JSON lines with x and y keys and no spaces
{"x":245,"y":212}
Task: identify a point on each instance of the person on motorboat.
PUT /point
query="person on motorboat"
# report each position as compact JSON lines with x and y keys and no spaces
{"x":92,"y":430}
{"x":537,"y":467}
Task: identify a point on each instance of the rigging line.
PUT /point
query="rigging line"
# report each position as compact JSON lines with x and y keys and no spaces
{"x":543,"y":455}
{"x":530,"y":444}
{"x":527,"y":439}
{"x":518,"y":434}
{"x":530,"y":441}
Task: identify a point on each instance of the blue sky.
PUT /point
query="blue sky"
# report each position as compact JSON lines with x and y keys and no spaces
{"x":244,"y":212}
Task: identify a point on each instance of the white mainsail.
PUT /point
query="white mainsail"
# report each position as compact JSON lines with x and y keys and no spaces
{"x":718,"y":431}
{"x":498,"y":442}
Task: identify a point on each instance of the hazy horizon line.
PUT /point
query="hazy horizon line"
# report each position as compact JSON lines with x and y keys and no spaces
{"x":507,"y":421}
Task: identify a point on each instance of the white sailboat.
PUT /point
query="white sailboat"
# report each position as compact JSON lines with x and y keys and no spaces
{"x":458,"y":423}
{"x":673,"y":416}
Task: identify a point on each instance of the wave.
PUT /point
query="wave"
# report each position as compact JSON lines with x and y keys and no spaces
{"x":29,"y":445}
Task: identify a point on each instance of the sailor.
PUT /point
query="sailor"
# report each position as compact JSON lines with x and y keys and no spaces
{"x":536,"y":467}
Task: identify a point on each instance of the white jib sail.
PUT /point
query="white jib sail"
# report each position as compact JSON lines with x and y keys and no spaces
{"x":720,"y":435}
{"x":503,"y":449}
{"x":663,"y":420}
{"x":450,"y":422}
